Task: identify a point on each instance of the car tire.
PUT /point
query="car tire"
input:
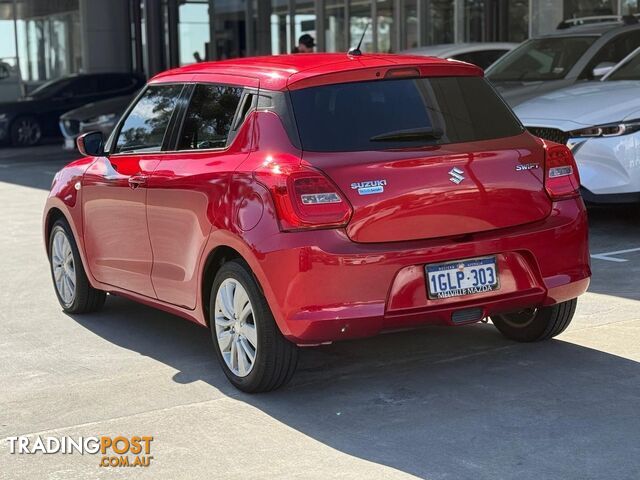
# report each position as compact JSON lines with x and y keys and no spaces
{"x":536,"y":324}
{"x":74,"y":292}
{"x":252,"y":351}
{"x":25,"y":132}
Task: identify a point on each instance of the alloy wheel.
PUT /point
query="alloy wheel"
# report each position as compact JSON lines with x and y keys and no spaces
{"x":28,"y":131}
{"x":235,"y":327}
{"x":64,"y":272}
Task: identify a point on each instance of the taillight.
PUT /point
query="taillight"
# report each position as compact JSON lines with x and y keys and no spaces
{"x":304,"y":198}
{"x":561,"y":178}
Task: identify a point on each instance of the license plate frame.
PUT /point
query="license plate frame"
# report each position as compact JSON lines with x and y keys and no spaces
{"x":454,"y":266}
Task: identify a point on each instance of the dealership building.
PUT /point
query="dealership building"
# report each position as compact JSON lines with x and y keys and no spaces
{"x":51,"y":38}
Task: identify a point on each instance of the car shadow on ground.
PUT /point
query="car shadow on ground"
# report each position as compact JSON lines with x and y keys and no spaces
{"x":614,"y":228}
{"x":437,"y":403}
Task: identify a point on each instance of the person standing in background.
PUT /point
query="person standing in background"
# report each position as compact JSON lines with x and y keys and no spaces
{"x":306,"y":44}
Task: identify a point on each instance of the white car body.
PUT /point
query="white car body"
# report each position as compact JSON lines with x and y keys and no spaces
{"x":609,"y":164}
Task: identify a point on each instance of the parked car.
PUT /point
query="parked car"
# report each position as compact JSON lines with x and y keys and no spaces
{"x":600,"y":122}
{"x":577,"y":53}
{"x":25,"y":122}
{"x":101,"y":116}
{"x":9,"y":82}
{"x":402,"y":192}
{"x":480,"y":54}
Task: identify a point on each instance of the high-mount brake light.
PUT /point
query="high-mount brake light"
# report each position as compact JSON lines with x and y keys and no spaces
{"x":561,"y":178}
{"x":304,"y":198}
{"x":402,"y":72}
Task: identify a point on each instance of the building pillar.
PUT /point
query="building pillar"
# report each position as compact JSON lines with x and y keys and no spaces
{"x":263,"y":28}
{"x":155,"y":37}
{"x":320,"y":27}
{"x":105,"y":36}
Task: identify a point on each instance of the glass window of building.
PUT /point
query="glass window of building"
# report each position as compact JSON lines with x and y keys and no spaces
{"x":48,"y":39}
{"x":360,"y":18}
{"x":410,"y":33}
{"x":438,"y":22}
{"x":193,"y":31}
{"x":281,"y":41}
{"x":336,"y":32}
{"x":305,"y":20}
{"x":385,"y":25}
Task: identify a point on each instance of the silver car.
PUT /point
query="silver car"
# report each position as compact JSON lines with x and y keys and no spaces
{"x":480,"y":54}
{"x":600,"y":122}
{"x":573,"y":54}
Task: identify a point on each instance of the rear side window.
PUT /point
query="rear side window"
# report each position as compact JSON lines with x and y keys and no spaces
{"x":209,"y":117}
{"x":146,"y":124}
{"x":400,"y":113}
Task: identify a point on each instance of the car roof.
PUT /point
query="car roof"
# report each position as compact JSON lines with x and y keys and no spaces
{"x":457,"y":48}
{"x":596,"y":29}
{"x":278,"y":72}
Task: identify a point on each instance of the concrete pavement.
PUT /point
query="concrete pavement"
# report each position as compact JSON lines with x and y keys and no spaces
{"x":438,"y":403}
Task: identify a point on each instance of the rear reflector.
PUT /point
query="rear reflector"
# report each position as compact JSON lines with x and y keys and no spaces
{"x":561,"y":174}
{"x":304,"y":198}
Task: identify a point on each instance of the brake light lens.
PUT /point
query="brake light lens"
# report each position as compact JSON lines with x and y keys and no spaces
{"x":561,"y":178}
{"x":304,"y":198}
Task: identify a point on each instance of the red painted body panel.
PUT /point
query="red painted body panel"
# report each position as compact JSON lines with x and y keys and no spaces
{"x":185,"y":199}
{"x":151,"y":243}
{"x":116,"y":238}
{"x":420,"y":201}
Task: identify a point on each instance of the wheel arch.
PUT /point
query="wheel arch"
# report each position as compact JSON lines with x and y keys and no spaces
{"x":53,"y":215}
{"x":212,"y":264}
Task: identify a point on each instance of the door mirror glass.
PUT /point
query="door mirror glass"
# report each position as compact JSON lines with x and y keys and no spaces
{"x":602,"y":69}
{"x":91,"y":144}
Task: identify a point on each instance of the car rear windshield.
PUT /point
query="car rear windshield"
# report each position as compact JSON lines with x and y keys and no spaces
{"x":540,"y":59}
{"x":400,"y":113}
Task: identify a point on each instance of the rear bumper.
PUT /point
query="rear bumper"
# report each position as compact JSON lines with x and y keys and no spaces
{"x":323,"y":287}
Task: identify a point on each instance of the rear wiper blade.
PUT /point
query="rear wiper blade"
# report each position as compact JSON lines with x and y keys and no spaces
{"x":409,"y":134}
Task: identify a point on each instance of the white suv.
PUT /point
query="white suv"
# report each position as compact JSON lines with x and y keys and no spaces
{"x":600,"y":122}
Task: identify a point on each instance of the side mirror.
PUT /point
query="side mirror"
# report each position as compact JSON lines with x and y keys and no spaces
{"x":602,"y":69}
{"x":91,"y":144}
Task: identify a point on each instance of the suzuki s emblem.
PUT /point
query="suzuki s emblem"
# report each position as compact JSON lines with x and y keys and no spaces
{"x":457,"y":175}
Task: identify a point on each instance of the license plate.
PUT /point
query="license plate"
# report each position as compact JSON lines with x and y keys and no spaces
{"x":462,"y":277}
{"x":69,"y":144}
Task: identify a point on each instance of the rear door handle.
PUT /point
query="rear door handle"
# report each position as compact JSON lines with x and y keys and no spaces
{"x":136,"y":180}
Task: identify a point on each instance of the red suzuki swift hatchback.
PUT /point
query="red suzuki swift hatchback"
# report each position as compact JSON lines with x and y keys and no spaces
{"x":297,"y":200}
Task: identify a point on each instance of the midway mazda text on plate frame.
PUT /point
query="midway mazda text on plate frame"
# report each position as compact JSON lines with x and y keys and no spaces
{"x":292,"y":201}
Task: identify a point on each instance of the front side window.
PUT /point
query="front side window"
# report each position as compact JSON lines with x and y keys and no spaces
{"x":540,"y":59}
{"x":630,"y":70}
{"x":144,"y":128}
{"x":412,"y":112}
{"x":614,"y":51}
{"x":209,"y":117}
